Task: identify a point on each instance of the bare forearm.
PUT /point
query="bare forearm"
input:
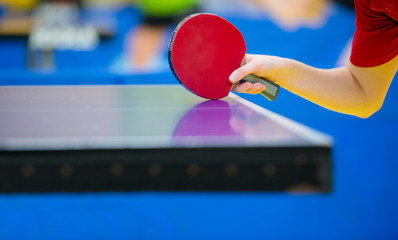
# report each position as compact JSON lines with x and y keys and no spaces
{"x":351,"y":90}
{"x":335,"y":89}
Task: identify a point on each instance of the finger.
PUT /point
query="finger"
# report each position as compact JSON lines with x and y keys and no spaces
{"x":249,"y":88}
{"x":242,"y":87}
{"x":256,"y":88}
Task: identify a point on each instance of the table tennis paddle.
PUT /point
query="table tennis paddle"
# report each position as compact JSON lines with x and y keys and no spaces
{"x":204,"y":50}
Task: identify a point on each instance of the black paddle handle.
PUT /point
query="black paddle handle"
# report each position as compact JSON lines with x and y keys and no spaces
{"x":271,"y":89}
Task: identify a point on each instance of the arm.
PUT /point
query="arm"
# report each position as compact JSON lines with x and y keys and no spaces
{"x":350,"y":89}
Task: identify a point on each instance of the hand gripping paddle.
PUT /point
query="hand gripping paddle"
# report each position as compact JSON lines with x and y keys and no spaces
{"x":204,"y":50}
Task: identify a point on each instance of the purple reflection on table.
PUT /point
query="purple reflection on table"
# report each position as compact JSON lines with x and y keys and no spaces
{"x":210,"y":118}
{"x":218,"y":122}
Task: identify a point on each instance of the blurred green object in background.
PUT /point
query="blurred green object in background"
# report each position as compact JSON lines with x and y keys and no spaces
{"x":157,"y":8}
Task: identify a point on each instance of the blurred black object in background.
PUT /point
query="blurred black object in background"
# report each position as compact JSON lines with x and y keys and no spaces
{"x":348,"y":3}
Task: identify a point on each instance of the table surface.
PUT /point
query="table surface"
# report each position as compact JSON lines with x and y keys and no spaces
{"x":139,"y":116}
{"x":74,"y":130}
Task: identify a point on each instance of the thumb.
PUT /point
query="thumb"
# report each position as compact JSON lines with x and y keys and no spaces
{"x":241,"y":72}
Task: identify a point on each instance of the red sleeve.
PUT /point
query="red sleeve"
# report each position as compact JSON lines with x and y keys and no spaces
{"x":376,"y":36}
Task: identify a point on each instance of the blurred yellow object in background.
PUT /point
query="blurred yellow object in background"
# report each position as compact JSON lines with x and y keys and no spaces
{"x":290,"y":15}
{"x":19,"y":5}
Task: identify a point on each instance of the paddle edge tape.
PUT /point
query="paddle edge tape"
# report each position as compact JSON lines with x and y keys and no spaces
{"x":170,"y":48}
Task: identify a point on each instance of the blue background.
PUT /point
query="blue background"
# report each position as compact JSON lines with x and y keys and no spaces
{"x":362,"y":205}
